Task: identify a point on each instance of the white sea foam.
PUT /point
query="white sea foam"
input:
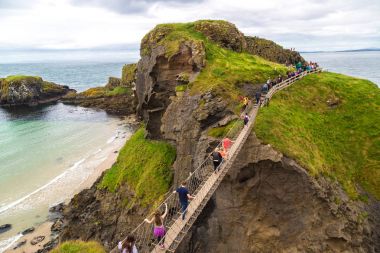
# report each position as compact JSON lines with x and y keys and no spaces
{"x":20,"y":200}
{"x":58,"y":189}
{"x":97,"y":151}
{"x":6,"y":244}
{"x":112,"y":139}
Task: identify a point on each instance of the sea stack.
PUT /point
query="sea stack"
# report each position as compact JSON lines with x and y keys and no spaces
{"x":29,"y":90}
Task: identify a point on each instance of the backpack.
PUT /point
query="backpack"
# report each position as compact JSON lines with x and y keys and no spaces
{"x":216,"y":156}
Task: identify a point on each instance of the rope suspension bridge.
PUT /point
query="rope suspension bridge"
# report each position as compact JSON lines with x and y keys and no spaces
{"x":202,"y":184}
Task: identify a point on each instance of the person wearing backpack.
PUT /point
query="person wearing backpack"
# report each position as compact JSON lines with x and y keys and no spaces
{"x":246,"y":119}
{"x":216,"y":159}
{"x":159,"y":228}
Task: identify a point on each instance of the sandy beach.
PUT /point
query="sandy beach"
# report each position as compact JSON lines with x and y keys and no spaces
{"x":44,"y":228}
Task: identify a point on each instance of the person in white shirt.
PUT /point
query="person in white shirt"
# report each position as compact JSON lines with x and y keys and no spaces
{"x":128,"y":245}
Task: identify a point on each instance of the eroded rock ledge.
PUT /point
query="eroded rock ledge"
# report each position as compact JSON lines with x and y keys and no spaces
{"x":116,"y":97}
{"x":268,"y":203}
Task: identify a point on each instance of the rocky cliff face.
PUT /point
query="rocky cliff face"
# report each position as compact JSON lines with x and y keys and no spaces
{"x":100,"y":215}
{"x":271,"y":51}
{"x":268,"y":203}
{"x":29,"y":90}
{"x":157,"y":74}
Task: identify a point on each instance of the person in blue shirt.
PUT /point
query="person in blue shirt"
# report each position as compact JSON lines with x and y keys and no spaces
{"x":184,"y":197}
{"x":258,"y":96}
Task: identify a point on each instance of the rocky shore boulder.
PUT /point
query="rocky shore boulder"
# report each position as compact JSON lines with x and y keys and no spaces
{"x":116,"y":97}
{"x":29,"y":90}
{"x":5,"y":227}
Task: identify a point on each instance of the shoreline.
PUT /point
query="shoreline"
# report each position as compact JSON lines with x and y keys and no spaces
{"x":44,"y":229}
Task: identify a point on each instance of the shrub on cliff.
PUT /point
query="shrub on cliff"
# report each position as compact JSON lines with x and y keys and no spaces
{"x":145,"y":165}
{"x":330,"y":124}
{"x":79,"y":247}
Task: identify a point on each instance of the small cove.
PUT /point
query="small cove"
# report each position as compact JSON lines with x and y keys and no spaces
{"x":48,"y":153}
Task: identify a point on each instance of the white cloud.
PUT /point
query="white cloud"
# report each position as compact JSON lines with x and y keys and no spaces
{"x":71,"y":24}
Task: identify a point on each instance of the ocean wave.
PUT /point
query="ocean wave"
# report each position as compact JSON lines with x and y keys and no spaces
{"x":6,"y":244}
{"x":97,"y":151}
{"x":112,"y":139}
{"x":20,"y":200}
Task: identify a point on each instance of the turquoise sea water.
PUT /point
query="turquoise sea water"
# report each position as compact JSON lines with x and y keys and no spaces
{"x":47,"y":152}
{"x":78,"y":75}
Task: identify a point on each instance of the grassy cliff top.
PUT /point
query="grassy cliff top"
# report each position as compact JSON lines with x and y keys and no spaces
{"x":105,"y":92}
{"x":330,"y":123}
{"x":226,"y":69}
{"x":18,"y":78}
{"x":79,"y":247}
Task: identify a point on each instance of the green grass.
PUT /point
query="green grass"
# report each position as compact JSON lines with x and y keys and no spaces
{"x":225,"y":69}
{"x":103,"y":91}
{"x":79,"y":247}
{"x":341,"y":141}
{"x":51,"y":87}
{"x":117,"y":91}
{"x":181,"y":88}
{"x":145,"y":165}
{"x":21,"y":77}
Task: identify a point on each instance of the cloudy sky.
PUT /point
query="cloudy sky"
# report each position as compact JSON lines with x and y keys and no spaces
{"x":307,"y":25}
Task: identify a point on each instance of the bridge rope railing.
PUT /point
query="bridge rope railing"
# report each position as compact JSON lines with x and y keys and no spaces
{"x":143,"y":233}
{"x":286,"y":83}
